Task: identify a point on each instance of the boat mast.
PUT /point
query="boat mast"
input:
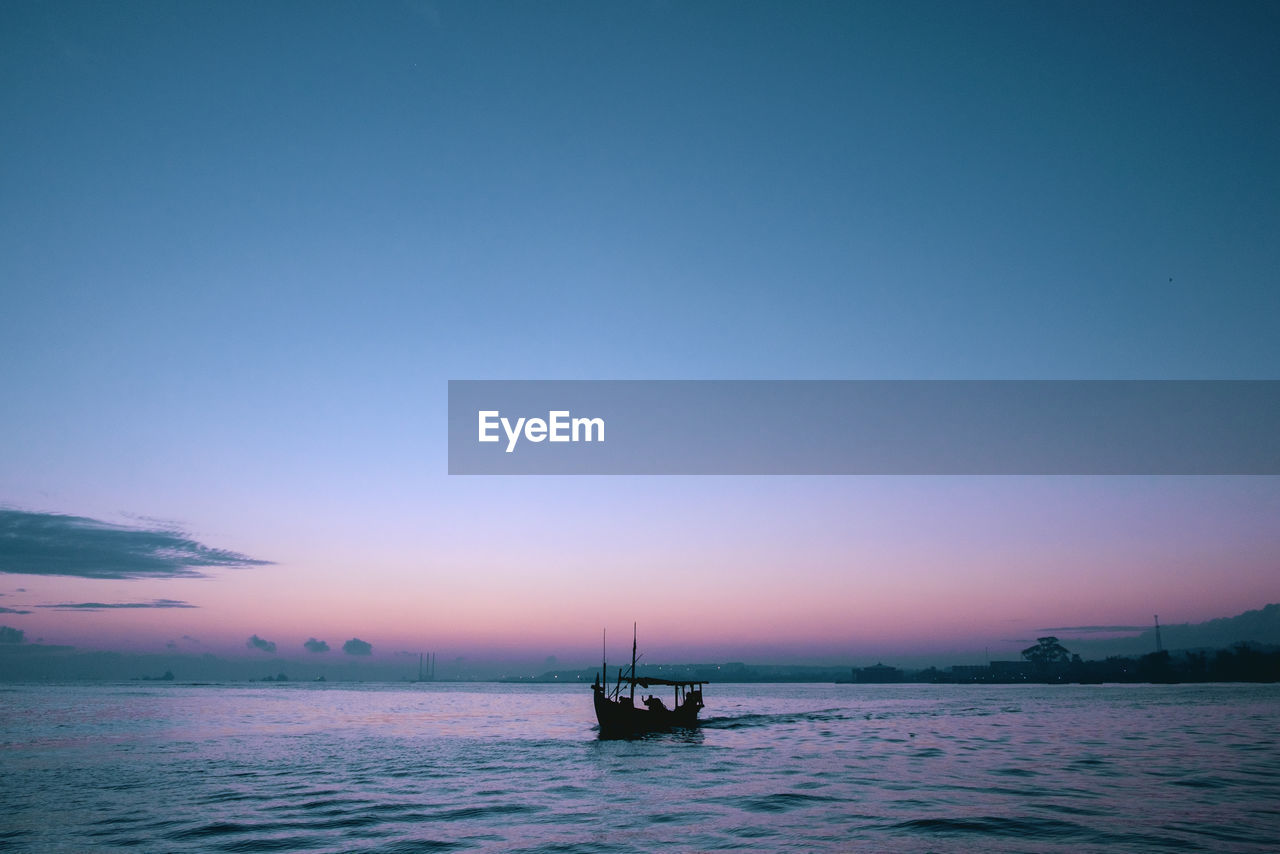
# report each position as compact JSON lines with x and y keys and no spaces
{"x":633,"y":664}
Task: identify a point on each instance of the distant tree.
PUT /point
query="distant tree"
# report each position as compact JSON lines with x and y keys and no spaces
{"x":1156,"y":666}
{"x":1047,"y":653}
{"x":931,"y":674}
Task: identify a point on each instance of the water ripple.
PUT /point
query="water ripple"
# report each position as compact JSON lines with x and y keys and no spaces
{"x":775,"y":769}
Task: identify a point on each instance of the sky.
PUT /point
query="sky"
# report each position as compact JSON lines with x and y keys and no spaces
{"x":244,"y":247}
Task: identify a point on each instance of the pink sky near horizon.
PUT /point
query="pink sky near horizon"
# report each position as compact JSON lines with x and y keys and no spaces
{"x":780,"y":567}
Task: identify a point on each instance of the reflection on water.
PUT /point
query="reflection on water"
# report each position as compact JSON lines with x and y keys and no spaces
{"x":438,"y":767}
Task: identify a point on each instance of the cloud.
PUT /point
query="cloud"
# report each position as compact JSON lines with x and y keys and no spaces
{"x":13,"y":611}
{"x":53,"y":544}
{"x":171,"y":645}
{"x":355,"y":646}
{"x":314,"y":645}
{"x":256,"y":642}
{"x":11,"y":635}
{"x":103,"y":606}
{"x":1084,"y":630}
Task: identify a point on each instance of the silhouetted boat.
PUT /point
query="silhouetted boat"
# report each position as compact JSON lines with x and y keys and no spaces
{"x":620,"y":716}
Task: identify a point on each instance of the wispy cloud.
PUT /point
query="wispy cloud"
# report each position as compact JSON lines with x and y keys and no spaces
{"x":13,"y":611}
{"x":314,"y":645}
{"x":256,"y":642}
{"x":355,"y":646}
{"x":53,"y":544}
{"x":1085,"y":630}
{"x":111,"y":606}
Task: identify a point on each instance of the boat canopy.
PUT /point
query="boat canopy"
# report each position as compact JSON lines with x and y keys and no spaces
{"x":646,"y":681}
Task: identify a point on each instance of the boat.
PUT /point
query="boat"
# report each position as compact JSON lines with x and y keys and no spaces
{"x":620,"y":716}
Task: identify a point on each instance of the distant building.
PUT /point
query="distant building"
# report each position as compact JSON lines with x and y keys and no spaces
{"x":1012,"y":671}
{"x":971,"y":673}
{"x":877,"y":673}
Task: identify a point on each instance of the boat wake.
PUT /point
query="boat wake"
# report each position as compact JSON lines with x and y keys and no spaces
{"x":762,"y":720}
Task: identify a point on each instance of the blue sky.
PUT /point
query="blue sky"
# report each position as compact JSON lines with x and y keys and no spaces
{"x":244,"y":246}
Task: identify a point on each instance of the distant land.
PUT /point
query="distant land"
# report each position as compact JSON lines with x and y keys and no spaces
{"x":24,"y":661}
{"x":1261,"y":626}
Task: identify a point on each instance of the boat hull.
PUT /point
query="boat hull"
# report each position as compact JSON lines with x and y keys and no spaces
{"x":621,"y":719}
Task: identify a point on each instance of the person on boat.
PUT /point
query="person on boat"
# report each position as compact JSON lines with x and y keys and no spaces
{"x":654,"y":704}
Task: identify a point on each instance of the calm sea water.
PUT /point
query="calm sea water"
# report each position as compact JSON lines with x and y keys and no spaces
{"x":437,"y":767}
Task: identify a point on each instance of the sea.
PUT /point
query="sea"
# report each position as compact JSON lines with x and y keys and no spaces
{"x":428,"y":767}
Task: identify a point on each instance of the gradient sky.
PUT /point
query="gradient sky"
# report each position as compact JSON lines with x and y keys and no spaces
{"x":243,"y":247}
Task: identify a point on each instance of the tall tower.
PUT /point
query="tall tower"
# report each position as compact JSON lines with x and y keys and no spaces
{"x":1159,"y":645}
